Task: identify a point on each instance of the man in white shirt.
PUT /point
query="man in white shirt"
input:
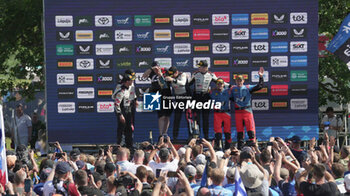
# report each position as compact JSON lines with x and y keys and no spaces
{"x":139,"y":156}
{"x":23,"y":125}
{"x":122,"y":157}
{"x":331,"y":123}
{"x":165,"y":163}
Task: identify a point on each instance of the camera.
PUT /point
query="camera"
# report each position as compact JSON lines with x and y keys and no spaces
{"x":165,"y":138}
{"x":58,"y":155}
{"x":199,"y":141}
{"x":127,"y":181}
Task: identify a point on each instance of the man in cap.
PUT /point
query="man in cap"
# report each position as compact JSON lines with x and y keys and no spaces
{"x":222,"y":116}
{"x":178,"y":81}
{"x":123,"y":109}
{"x":191,"y":173}
{"x":241,"y":95}
{"x":158,"y":84}
{"x":230,"y":176}
{"x":201,"y":80}
{"x":75,"y":154}
{"x":296,"y":148}
{"x":60,"y":181}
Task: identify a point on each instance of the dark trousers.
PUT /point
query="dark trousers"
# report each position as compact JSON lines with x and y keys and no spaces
{"x":126,"y":129}
{"x":204,"y":97}
{"x":177,"y":118}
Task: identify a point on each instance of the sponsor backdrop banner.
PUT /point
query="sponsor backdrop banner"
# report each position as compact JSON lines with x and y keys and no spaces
{"x":90,"y":43}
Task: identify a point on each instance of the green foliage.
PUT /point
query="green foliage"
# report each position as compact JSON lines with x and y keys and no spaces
{"x":332,"y":13}
{"x":21,"y":46}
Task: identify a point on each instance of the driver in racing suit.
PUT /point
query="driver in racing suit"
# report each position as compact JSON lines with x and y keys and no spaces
{"x":241,"y":95}
{"x":222,"y":116}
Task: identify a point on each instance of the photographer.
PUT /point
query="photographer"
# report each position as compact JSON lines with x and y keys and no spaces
{"x":60,"y":181}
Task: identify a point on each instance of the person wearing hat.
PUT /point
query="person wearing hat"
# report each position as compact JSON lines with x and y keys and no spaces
{"x":190,"y":173}
{"x":178,"y":81}
{"x":222,"y":116}
{"x":132,"y":89}
{"x":241,"y":95}
{"x":60,"y":181}
{"x":158,"y":84}
{"x":202,"y":80}
{"x":123,"y":109}
{"x":296,"y":149}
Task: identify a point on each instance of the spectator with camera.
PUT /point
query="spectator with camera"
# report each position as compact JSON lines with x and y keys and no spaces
{"x":60,"y":181}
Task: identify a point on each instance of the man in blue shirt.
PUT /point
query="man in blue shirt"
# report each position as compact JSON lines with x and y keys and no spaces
{"x":230,"y":176}
{"x":190,"y":173}
{"x":217,"y":177}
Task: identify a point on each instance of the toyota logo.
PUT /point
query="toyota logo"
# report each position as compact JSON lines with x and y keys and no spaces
{"x":103,"y":20}
{"x":220,"y":48}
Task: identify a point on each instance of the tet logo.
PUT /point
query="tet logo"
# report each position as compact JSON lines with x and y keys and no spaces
{"x":151,"y":101}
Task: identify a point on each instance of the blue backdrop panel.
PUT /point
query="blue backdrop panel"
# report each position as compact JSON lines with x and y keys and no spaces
{"x":238,"y":37}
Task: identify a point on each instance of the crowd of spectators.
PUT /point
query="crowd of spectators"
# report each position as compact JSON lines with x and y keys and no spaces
{"x":278,"y":167}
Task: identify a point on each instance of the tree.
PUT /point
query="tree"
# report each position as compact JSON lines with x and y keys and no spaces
{"x":21,"y":46}
{"x":332,"y":13}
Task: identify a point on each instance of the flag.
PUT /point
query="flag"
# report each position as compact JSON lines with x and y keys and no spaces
{"x":340,"y":45}
{"x":204,"y":177}
{"x":239,"y":188}
{"x":3,"y":163}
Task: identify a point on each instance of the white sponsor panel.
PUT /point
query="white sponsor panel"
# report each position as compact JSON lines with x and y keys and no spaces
{"x":220,"y":19}
{"x":182,"y":48}
{"x":299,"y":104}
{"x":86,"y":93}
{"x":84,"y":36}
{"x":140,"y":80}
{"x":279,"y":61}
{"x":221,"y":48}
{"x":255,"y":76}
{"x":164,"y":62}
{"x":105,"y":107}
{"x":103,"y":21}
{"x":123,"y":35}
{"x":162,"y":34}
{"x":65,"y":107}
{"x":196,"y":60}
{"x":85,"y":64}
{"x":64,"y":21}
{"x":298,"y":46}
{"x":65,"y":79}
{"x":260,"y":47}
{"x":240,"y":33}
{"x":298,"y":18}
{"x":182,"y":20}
{"x":104,"y":49}
{"x":260,"y":104}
